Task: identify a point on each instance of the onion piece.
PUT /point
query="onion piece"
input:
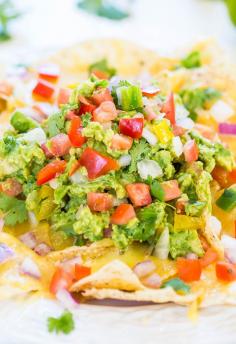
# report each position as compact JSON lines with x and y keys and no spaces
{"x":66,"y":299}
{"x":177,"y":145}
{"x":1,"y":224}
{"x":32,"y":218}
{"x":180,"y":112}
{"x":42,"y":249}
{"x":124,"y":160}
{"x":149,"y":168}
{"x":153,"y":281}
{"x":229,"y":244}
{"x":227,"y":128}
{"x":29,"y":240}
{"x":149,"y":136}
{"x":144,"y":268}
{"x":78,"y":178}
{"x":214,"y":225}
{"x":163,"y":245}
{"x":186,"y":123}
{"x":6,"y":252}
{"x":29,"y":267}
{"x":69,"y":264}
{"x":191,"y":255}
{"x":221,"y":111}
{"x":35,"y":135}
{"x":53,"y":183}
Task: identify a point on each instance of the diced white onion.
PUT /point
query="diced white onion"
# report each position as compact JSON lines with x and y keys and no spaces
{"x":163,"y":245}
{"x":53,"y":183}
{"x":144,"y":268}
{"x":32,"y":219}
{"x":149,"y":136}
{"x":29,"y":240}
{"x":124,"y":160}
{"x":78,"y":178}
{"x":66,"y":299}
{"x":229,"y":244}
{"x":69,"y":264}
{"x":154,"y":281}
{"x":177,"y":146}
{"x":5,"y":252}
{"x":35,"y":135}
{"x":1,"y":224}
{"x":29,"y":267}
{"x":221,"y":111}
{"x":214,"y":225}
{"x":119,"y":96}
{"x":191,"y":255}
{"x":42,"y":249}
{"x":149,"y":168}
{"x":186,"y":123}
{"x":180,"y":112}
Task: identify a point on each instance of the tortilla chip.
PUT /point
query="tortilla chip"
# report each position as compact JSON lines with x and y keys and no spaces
{"x":115,"y":275}
{"x":88,"y":252}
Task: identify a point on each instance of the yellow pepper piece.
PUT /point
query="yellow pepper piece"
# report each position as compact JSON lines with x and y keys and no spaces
{"x":162,"y":131}
{"x":182,"y":222}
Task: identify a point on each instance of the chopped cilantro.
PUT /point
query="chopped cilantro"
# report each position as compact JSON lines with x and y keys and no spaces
{"x":65,"y":323}
{"x":8,"y":144}
{"x":14,"y":210}
{"x":157,"y":190}
{"x":178,"y":285}
{"x":102,"y":66}
{"x":86,"y":119}
{"x":193,"y":60}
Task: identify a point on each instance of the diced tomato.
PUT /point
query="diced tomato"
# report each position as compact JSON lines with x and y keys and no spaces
{"x":171,"y":190}
{"x":232,"y":177}
{"x":74,"y":168}
{"x":46,"y":151}
{"x":101,"y":95}
{"x":43,"y":89}
{"x":191,"y":151}
{"x":100,"y":74}
{"x":210,"y":257}
{"x":96,"y":163}
{"x":75,"y":133}
{"x":49,"y":72}
{"x":11,"y":187}
{"x":81,"y":271}
{"x":99,"y":201}
{"x":225,"y":271}
{"x":189,"y":270}
{"x":60,"y":280}
{"x":85,"y":106}
{"x":169,"y":108}
{"x":221,"y":176}
{"x":123,"y":214}
{"x":70,"y":115}
{"x":178,"y":131}
{"x":6,"y":89}
{"x":106,"y":112}
{"x":60,"y":145}
{"x":150,"y":91}
{"x":50,"y":171}
{"x":121,"y":142}
{"x":63,"y":96}
{"x":132,"y":127}
{"x":139,"y":194}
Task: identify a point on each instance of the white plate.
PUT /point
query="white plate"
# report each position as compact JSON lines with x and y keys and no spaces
{"x":26,"y":323}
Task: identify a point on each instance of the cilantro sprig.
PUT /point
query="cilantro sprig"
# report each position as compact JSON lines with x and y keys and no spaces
{"x":103,"y":8}
{"x":64,"y":324}
{"x":14,"y":210}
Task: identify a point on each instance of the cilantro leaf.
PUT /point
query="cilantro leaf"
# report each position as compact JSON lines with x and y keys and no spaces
{"x":193,"y":60}
{"x":86,"y":119}
{"x":14,"y":210}
{"x":65,"y":323}
{"x":102,"y":65}
{"x":8,"y":144}
{"x":139,"y":150}
{"x":102,"y":8}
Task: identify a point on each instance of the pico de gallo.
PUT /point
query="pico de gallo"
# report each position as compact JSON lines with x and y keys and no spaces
{"x":125,"y":161}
